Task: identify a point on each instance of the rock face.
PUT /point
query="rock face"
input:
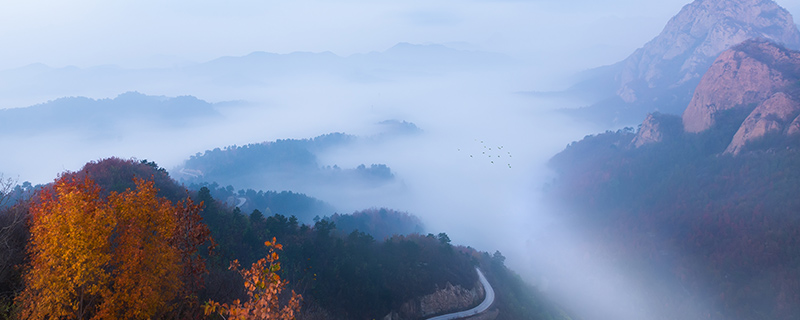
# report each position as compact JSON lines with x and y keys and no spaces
{"x":650,"y":132}
{"x":691,"y":41}
{"x":770,"y":116}
{"x":447,"y":299}
{"x":747,"y":74}
{"x":794,"y":127}
{"x":657,"y":127}
{"x":758,"y":78}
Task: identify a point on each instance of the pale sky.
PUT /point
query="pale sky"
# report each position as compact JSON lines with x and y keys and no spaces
{"x":151,"y":32}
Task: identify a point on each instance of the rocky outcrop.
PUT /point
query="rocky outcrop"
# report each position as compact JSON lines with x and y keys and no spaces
{"x":650,"y":132}
{"x":745,"y":75}
{"x":450,"y":298}
{"x":794,"y":127}
{"x":657,"y":127}
{"x":773,"y":115}
{"x":447,"y":299}
{"x":692,"y":40}
{"x":759,"y":79}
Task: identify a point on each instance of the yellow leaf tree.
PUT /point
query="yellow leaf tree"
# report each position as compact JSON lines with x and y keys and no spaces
{"x":116,"y":257}
{"x":70,"y":251}
{"x":144,"y":267}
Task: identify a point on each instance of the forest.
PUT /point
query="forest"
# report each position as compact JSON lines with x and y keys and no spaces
{"x":121,"y":239}
{"x":288,"y":163}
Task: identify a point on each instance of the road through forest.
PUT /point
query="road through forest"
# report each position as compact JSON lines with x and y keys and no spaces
{"x":487,"y":302}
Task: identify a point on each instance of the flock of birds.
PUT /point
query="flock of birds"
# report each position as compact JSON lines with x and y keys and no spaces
{"x":494,"y":154}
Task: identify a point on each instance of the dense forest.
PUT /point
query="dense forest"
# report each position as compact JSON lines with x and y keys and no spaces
{"x":206,"y":257}
{"x":720,"y":226}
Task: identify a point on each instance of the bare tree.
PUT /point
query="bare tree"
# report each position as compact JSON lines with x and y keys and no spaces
{"x":13,"y":237}
{"x":6,"y":187}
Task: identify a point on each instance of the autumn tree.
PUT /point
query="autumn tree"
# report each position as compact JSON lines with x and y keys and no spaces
{"x":190,"y":235}
{"x":145,"y":268}
{"x":264,"y":287}
{"x":70,"y":252}
{"x":118,"y":257}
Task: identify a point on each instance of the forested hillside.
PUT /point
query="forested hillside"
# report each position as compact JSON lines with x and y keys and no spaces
{"x":127,"y":209}
{"x":721,"y":225}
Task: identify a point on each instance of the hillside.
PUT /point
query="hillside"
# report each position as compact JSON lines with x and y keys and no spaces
{"x":706,"y":199}
{"x":340,"y":274}
{"x":294,"y":164}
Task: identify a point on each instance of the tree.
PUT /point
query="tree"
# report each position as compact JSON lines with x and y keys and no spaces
{"x":69,"y":249}
{"x":13,"y":237}
{"x":145,"y":268}
{"x":127,"y":255}
{"x":190,"y":235}
{"x":264,"y":288}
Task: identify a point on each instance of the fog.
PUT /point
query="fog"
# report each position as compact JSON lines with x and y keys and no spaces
{"x":100,"y":49}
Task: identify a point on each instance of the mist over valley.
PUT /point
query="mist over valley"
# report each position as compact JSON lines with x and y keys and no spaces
{"x":608,"y":160}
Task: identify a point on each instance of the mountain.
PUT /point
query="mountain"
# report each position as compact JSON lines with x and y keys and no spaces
{"x":705,"y":201}
{"x":103,"y":116}
{"x":663,"y":73}
{"x":753,"y":87}
{"x":757,"y":78}
{"x":37,"y":82}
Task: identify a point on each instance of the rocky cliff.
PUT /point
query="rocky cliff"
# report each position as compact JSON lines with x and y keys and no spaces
{"x":760,"y":79}
{"x":771,"y":116}
{"x":692,"y":40}
{"x":649,"y":132}
{"x":745,"y":75}
{"x":657,"y":127}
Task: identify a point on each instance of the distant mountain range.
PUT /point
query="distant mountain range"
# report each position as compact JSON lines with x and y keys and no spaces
{"x":662,"y":75}
{"x":31,"y":84}
{"x":103,"y":116}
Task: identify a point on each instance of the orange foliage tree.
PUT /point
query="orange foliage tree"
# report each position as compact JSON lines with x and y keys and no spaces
{"x":112,"y":258}
{"x":264,"y":287}
{"x":69,"y":249}
{"x":190,"y":234}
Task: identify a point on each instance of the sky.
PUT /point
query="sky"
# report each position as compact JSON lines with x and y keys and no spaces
{"x":486,"y":206}
{"x":157,"y":33}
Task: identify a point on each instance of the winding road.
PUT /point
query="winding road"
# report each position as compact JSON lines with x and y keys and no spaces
{"x":487,"y":302}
